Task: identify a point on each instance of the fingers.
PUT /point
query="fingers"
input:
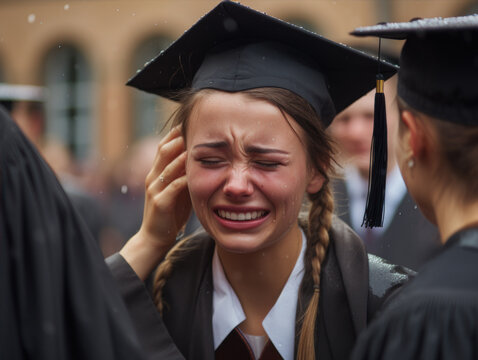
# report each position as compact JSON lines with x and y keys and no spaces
{"x":168,"y":149}
{"x":167,"y":200}
{"x":171,"y":172}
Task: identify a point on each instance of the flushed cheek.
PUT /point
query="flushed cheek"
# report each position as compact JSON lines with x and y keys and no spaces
{"x":202,"y":184}
{"x":288,"y":199}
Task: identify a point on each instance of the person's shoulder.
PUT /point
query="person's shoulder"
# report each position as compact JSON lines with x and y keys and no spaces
{"x":384,"y":278}
{"x":428,"y":324}
{"x":344,"y":236}
{"x":385,"y":281}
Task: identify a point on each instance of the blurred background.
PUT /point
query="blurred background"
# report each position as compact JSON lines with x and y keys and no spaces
{"x":98,"y":134}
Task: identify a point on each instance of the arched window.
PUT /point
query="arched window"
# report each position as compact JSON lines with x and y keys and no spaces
{"x":69,"y":103}
{"x":147,"y":107}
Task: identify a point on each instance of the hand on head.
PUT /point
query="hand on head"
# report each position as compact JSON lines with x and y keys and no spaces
{"x":167,"y":206}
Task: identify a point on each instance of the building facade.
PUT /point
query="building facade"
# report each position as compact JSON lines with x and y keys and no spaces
{"x":84,"y":51}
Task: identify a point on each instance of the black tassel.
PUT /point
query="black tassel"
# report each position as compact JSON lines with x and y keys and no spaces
{"x":374,"y":210}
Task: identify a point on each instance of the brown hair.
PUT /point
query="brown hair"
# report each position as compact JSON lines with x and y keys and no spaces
{"x":457,"y":147}
{"x":320,"y":156}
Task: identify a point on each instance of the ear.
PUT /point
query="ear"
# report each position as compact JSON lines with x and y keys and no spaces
{"x":316,"y":181}
{"x":412,"y":134}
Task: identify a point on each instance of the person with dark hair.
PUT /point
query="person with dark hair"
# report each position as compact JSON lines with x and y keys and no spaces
{"x":435,"y":316}
{"x":247,"y":149}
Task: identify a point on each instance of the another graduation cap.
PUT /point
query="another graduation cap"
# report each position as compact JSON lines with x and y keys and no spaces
{"x":11,"y":93}
{"x":438,"y":65}
{"x":234,"y":48}
{"x":438,"y":75}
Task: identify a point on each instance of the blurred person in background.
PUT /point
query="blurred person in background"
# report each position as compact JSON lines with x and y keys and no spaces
{"x":406,"y":237}
{"x":26,"y":105}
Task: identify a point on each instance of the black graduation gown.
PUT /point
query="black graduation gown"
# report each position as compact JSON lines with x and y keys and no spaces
{"x":57,"y":297}
{"x":436,"y":314}
{"x":185,"y":330}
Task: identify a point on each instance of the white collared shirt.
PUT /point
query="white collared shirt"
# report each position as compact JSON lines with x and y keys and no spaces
{"x":279,"y":324}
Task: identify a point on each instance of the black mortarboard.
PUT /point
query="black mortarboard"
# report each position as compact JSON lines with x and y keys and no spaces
{"x":10,"y":94}
{"x":234,"y":48}
{"x":438,"y":65}
{"x":438,"y":76}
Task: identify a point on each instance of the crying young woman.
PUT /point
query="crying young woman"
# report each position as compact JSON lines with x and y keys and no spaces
{"x":272,"y":274}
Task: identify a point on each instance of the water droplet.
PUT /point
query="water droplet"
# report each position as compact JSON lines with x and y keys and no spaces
{"x":415,"y":207}
{"x":31,"y":18}
{"x":59,"y":46}
{"x":66,"y":7}
{"x":124,"y":189}
{"x":399,"y":213}
{"x":230,"y":24}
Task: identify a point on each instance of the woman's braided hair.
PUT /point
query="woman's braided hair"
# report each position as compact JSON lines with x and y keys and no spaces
{"x":320,"y":157}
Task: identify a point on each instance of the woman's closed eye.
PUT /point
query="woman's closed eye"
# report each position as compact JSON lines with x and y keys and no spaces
{"x":268,"y":164}
{"x":211,"y":161}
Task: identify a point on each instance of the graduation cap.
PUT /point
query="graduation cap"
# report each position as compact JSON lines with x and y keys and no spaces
{"x":235,"y":48}
{"x":438,"y":65}
{"x":22,"y":92}
{"x":438,"y":73}
{"x":11,"y":93}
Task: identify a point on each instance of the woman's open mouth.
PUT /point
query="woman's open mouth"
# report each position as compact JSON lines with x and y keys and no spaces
{"x":241,"y":216}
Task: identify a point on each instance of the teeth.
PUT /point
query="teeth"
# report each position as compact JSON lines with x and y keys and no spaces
{"x":240,"y":216}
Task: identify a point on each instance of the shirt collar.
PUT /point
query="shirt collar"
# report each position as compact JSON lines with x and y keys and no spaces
{"x":279,"y":324}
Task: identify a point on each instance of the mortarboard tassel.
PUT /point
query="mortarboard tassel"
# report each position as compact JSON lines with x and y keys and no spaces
{"x":374,"y":209}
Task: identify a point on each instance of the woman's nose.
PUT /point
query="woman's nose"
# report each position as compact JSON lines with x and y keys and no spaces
{"x":238,"y":183}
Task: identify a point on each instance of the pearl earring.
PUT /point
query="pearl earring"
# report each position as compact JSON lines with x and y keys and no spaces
{"x":411,"y":163}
